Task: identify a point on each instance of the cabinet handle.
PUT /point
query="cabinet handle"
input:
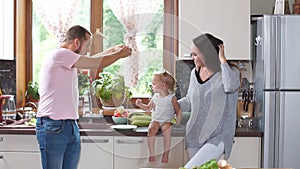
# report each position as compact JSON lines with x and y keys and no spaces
{"x":129,"y":141}
{"x":94,"y":140}
{"x":1,"y":139}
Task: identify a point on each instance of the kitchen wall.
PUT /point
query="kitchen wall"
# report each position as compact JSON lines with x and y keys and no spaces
{"x":184,"y":67}
{"x":8,"y":76}
{"x":183,"y":71}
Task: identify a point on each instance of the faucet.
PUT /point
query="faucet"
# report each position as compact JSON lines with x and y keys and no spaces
{"x":25,"y":115}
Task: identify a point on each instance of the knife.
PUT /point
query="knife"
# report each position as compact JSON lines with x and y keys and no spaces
{"x":251,"y":95}
{"x":249,"y":99}
{"x":245,"y":98}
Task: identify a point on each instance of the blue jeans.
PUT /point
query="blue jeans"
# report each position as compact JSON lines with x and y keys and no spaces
{"x":59,"y":142}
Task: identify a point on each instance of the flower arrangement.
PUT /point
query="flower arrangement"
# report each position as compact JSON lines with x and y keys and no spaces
{"x":84,"y":81}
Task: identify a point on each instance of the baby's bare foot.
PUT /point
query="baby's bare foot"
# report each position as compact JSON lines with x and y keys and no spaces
{"x":151,"y":158}
{"x":165,"y":158}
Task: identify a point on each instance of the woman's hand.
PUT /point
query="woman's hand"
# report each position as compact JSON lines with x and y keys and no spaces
{"x":221,"y":54}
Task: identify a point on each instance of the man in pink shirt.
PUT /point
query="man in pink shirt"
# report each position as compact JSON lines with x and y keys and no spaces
{"x":56,"y":129}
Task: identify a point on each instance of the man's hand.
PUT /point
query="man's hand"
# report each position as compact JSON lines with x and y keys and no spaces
{"x":124,"y":51}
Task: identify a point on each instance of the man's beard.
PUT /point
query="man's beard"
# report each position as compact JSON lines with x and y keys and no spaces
{"x":78,"y":50}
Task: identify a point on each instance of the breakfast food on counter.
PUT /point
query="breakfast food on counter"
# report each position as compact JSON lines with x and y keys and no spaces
{"x":212,"y":164}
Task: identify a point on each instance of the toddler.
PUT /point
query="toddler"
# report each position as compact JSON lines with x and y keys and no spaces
{"x":163,"y":105}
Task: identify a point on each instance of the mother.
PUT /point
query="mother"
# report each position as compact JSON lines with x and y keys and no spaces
{"x":211,"y":99}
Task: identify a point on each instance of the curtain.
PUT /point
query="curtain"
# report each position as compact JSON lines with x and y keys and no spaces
{"x":56,"y":15}
{"x":134,"y":15}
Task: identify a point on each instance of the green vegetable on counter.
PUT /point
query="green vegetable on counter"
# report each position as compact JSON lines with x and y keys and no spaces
{"x":140,"y":119}
{"x":211,"y":164}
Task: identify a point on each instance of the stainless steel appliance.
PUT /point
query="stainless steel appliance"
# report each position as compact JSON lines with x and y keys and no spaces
{"x":277,"y":86}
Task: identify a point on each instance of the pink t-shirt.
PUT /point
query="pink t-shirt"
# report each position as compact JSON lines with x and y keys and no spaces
{"x":58,"y":86}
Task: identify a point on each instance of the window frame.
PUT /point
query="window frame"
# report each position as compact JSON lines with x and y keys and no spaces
{"x":24,"y":42}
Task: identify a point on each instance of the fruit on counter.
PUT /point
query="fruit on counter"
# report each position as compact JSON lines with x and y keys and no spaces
{"x":140,"y":119}
{"x":138,"y":114}
{"x":224,"y":165}
{"x":32,"y":122}
{"x":145,"y":118}
{"x":121,"y":112}
{"x":212,"y":164}
{"x":117,"y":114}
{"x":121,"y":109}
{"x":141,"y":123}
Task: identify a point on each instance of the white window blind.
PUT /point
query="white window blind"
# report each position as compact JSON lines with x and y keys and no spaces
{"x":6,"y":30}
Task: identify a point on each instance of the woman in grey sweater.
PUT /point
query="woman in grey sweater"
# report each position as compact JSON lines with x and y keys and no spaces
{"x":211,"y":99}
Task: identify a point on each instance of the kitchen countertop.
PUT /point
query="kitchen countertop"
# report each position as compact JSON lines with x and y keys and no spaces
{"x":236,"y":168}
{"x":102,"y":127}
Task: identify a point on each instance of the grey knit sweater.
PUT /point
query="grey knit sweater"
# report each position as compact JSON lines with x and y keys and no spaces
{"x":213,"y":109}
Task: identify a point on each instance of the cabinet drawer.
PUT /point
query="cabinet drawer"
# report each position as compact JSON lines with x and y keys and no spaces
{"x":19,"y":143}
{"x":96,"y":152}
{"x":22,"y":160}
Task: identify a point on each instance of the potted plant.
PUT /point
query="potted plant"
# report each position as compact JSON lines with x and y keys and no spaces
{"x":83,"y":86}
{"x":32,"y":92}
{"x":83,"y":82}
{"x":111,"y":89}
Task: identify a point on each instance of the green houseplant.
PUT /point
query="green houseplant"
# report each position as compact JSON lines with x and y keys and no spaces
{"x":32,"y":92}
{"x":83,"y":82}
{"x":111,"y":89}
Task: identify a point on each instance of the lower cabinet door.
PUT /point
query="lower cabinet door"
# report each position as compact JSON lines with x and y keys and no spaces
{"x":22,"y":160}
{"x":246,"y":152}
{"x":96,"y":152}
{"x":132,"y":152}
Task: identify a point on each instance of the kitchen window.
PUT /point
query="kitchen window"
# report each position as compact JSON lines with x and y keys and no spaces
{"x":43,"y":41}
{"x":97,"y":11}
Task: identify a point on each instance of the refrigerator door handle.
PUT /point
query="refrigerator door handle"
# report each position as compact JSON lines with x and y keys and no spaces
{"x":278,"y":52}
{"x":258,"y":40}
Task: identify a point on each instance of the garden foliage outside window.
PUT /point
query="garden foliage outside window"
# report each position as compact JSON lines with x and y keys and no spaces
{"x":150,"y":42}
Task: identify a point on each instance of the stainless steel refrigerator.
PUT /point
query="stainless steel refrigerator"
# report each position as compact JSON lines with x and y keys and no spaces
{"x":277,"y":85}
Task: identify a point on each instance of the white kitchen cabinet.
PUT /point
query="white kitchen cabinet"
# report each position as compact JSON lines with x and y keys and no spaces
{"x":19,"y":151}
{"x":229,"y":20}
{"x":259,"y":7}
{"x":246,"y":152}
{"x":7,"y":30}
{"x":96,"y":152}
{"x":132,"y":152}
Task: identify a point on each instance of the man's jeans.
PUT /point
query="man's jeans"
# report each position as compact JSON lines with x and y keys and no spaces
{"x":59,"y":142}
